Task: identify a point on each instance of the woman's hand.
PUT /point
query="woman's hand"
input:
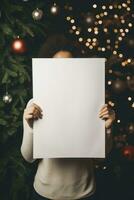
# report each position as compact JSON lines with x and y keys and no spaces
{"x":31,"y":113}
{"x":107,"y":114}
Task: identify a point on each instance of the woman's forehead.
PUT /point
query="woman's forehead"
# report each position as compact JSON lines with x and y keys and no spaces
{"x":63,"y":54}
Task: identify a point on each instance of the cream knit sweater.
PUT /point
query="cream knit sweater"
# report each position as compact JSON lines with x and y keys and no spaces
{"x":59,"y":178}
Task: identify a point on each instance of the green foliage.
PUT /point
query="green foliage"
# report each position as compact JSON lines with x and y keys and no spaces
{"x":16,"y":176}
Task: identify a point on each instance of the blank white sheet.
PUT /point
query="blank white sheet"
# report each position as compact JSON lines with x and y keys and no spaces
{"x":70,"y":91}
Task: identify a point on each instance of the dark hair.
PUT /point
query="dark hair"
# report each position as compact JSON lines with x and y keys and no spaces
{"x":55,"y":43}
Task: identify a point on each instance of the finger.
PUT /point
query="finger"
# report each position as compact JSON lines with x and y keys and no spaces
{"x":28,"y":117}
{"x":103,"y":109}
{"x":38,"y":113}
{"x":30,"y":109}
{"x":104,"y":106}
{"x":105,"y":116}
{"x":104,"y":113}
{"x":38,"y":107}
{"x":33,"y":110}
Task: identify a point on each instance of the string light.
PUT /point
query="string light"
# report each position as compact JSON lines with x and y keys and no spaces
{"x":77,"y":32}
{"x":120,"y":55}
{"x":120,"y":32}
{"x":89,"y":29}
{"x":68,"y":18}
{"x":110,"y":7}
{"x":111,"y":103}
{"x":109,"y":82}
{"x":94,"y":39}
{"x":87,"y":44}
{"x":94,"y":6}
{"x":130,"y":25}
{"x":73,"y":27}
{"x":90,"y":47}
{"x":126,"y":30}
{"x":115,"y":16}
{"x":103,"y":7}
{"x":110,"y":71}
{"x":105,"y":13}
{"x":105,"y":30}
{"x":114,"y":52}
{"x":118,"y":121}
{"x":100,"y":21}
{"x":80,"y":39}
{"x":97,"y":16}
{"x":108,"y":41}
{"x":129,"y":60}
{"x":103,"y":49}
{"x":128,"y":77}
{"x":129,"y":98}
{"x":72,"y":21}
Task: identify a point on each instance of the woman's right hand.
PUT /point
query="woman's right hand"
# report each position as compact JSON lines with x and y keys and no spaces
{"x":31,"y":113}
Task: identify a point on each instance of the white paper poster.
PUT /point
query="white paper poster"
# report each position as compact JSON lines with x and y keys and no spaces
{"x":70,"y":91}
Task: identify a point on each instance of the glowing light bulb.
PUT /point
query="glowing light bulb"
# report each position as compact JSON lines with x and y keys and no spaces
{"x":114,"y":52}
{"x":129,"y":98}
{"x":94,"y":39}
{"x":126,"y":30}
{"x":89,"y":39}
{"x":120,"y":55}
{"x":103,"y":7}
{"x":100,"y":22}
{"x":89,"y":29}
{"x":105,"y":13}
{"x":87,"y":44}
{"x":77,"y":32}
{"x":130,"y":25}
{"x":73,"y":27}
{"x":110,"y":7}
{"x":103,"y":49}
{"x":68,"y":18}
{"x":90,"y":47}
{"x":80,"y":39}
{"x":72,"y":21}
{"x":94,"y":5}
{"x":109,"y":82}
{"x":116,"y":16}
{"x":129,"y":60}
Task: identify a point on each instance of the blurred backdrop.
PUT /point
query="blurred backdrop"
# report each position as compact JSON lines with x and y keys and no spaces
{"x":100,"y":29}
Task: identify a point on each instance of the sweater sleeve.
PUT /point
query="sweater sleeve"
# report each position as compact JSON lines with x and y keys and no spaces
{"x":27,"y":140}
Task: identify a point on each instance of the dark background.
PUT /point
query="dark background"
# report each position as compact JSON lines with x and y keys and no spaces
{"x":99,"y":29}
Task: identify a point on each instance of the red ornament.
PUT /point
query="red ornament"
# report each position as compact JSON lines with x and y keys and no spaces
{"x":128,"y":152}
{"x":19,"y":46}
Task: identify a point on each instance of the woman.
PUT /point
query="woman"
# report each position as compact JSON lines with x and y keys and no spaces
{"x":60,"y":178}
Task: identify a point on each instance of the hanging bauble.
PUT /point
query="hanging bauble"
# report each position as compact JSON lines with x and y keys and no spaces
{"x":7,"y":98}
{"x":54,"y":9}
{"x":18,"y":46}
{"x":128,"y":152}
{"x":130,"y":83}
{"x":118,"y":85}
{"x":37,"y":14}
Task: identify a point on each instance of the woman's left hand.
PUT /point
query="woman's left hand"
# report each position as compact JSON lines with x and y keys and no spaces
{"x":107,"y":114}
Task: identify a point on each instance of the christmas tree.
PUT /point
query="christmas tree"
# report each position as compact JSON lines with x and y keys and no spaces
{"x":101,"y":29}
